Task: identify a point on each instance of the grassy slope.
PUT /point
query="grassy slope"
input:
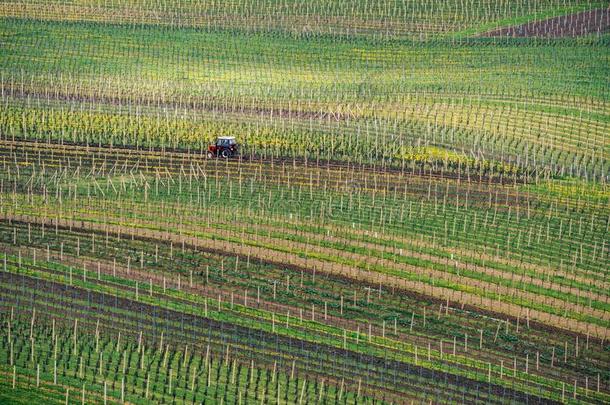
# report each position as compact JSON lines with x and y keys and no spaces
{"x":353,"y":69}
{"x":389,"y":18}
{"x":404,"y":86}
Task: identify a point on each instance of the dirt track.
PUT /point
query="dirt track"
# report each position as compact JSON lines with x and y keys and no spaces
{"x":571,"y":25}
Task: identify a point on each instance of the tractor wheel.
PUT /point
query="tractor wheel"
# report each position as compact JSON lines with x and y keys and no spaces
{"x":210,"y":155}
{"x":226,"y":153}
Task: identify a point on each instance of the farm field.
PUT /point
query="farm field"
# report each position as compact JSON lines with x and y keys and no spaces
{"x":419,"y":211}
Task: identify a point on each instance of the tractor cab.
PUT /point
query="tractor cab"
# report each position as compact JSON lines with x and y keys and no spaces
{"x":225,"y":146}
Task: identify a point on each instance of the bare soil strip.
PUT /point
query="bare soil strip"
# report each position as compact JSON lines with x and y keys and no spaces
{"x":336,"y":269}
{"x":571,"y":25}
{"x":213,"y":292}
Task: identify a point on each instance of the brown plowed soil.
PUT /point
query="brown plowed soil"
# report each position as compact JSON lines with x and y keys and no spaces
{"x":571,"y":25}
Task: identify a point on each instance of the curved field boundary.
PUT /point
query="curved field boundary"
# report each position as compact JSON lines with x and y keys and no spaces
{"x":571,"y":25}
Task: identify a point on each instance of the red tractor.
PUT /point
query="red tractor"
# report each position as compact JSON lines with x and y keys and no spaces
{"x":225,"y":146}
